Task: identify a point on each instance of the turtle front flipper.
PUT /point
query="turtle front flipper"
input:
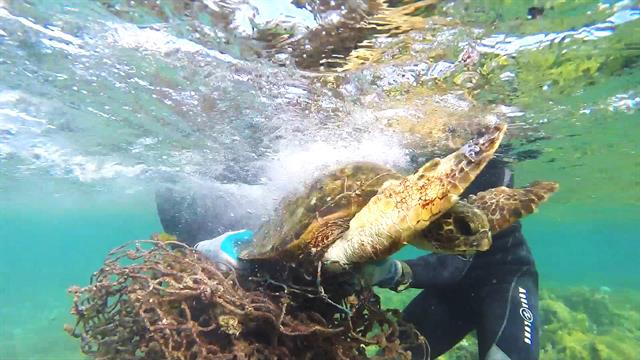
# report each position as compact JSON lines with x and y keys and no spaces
{"x":504,"y":206}
{"x":402,"y":208}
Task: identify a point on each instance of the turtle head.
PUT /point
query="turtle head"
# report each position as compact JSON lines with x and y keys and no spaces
{"x":461,"y":230}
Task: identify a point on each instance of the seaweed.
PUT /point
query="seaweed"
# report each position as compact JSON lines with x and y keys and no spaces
{"x":576,"y":323}
{"x":583,"y":323}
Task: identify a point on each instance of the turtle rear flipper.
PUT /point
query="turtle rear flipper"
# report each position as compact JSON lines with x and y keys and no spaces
{"x":504,"y":206}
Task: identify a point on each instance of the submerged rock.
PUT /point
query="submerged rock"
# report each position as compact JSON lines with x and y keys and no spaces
{"x":576,"y":323}
{"x":585,"y":323}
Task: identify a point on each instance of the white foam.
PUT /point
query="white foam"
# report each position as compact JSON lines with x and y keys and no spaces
{"x":131,"y":36}
{"x":628,"y":103}
{"x":505,"y":44}
{"x":64,"y":46}
{"x":49,"y":31}
{"x":295,"y":166}
{"x":84,"y":168}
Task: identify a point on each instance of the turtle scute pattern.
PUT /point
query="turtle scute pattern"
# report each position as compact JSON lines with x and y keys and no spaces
{"x":308,"y":222}
{"x":363,"y":211}
{"x":504,"y":206}
{"x":403,"y":208}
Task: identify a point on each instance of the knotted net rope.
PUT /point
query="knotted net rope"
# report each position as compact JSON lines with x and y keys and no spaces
{"x":155,"y":300}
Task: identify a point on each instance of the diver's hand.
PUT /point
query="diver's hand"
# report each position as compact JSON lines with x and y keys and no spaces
{"x":224,"y":247}
{"x":388,"y":273}
{"x":381,"y":273}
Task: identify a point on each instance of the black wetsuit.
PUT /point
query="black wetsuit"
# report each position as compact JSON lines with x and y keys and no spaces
{"x":494,"y":292}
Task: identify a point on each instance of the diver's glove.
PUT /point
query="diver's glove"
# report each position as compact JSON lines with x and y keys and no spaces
{"x":388,"y":273}
{"x":224,"y":247}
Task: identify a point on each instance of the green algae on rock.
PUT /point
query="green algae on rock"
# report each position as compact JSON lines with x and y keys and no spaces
{"x":576,"y":324}
{"x":583,"y":323}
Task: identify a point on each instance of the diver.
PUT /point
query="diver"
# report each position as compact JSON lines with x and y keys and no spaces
{"x":494,"y":292}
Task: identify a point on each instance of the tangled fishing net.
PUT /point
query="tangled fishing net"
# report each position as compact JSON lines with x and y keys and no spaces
{"x":154,"y":300}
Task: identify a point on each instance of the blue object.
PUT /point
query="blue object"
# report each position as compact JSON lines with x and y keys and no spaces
{"x":234,"y":239}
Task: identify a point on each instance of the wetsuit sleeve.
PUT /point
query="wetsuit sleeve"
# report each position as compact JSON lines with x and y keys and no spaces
{"x":436,"y":270}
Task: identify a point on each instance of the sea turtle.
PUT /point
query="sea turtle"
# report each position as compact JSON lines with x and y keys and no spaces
{"x":364,"y":211}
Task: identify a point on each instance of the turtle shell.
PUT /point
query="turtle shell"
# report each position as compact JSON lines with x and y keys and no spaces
{"x":331,"y":200}
{"x":364,"y":211}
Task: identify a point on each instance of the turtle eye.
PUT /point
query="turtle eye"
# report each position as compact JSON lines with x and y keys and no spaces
{"x":462,"y":225}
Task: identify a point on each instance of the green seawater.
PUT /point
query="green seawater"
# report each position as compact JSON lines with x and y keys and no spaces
{"x":48,"y":245}
{"x":91,"y":123}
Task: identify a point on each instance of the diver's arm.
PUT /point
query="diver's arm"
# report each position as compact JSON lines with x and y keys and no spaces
{"x":425,"y":271}
{"x":436,"y":270}
{"x":444,"y":269}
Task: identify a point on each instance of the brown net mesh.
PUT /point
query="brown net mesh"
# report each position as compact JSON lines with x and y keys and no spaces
{"x":153,"y":300}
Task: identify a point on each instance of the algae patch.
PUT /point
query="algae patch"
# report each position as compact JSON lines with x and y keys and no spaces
{"x":577,"y":323}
